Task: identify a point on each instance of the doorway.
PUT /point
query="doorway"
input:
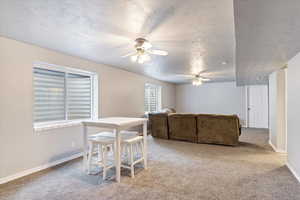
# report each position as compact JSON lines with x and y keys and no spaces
{"x":257,"y":106}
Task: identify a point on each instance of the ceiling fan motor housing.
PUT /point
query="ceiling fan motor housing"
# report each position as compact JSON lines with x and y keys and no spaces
{"x":142,"y":44}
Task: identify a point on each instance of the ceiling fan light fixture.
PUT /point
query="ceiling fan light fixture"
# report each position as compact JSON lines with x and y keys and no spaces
{"x":142,"y":51}
{"x":140,"y":58}
{"x":134,"y":58}
{"x":146,"y":57}
{"x":197,"y":82}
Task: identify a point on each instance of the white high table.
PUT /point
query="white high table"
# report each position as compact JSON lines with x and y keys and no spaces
{"x":117,"y":124}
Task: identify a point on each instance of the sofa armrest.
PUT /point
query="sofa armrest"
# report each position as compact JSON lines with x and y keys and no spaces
{"x":158,"y":125}
{"x":218,"y":129}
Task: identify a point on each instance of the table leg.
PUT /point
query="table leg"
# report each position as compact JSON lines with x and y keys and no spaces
{"x":118,"y":155}
{"x":145,"y":144}
{"x":85,"y":147}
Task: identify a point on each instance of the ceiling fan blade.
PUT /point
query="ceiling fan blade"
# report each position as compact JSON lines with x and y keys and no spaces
{"x":158,"y":52}
{"x":129,"y":54}
{"x":204,"y":79}
{"x":215,"y":73}
{"x":184,"y":76}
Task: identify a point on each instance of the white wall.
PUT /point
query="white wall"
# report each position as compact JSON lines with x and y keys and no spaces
{"x":273,"y":109}
{"x":293,"y":114}
{"x":277,"y":110}
{"x":121,"y":93}
{"x":214,"y":98}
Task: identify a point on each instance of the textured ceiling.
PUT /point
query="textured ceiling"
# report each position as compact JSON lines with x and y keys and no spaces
{"x":199,"y":35}
{"x":253,"y":37}
{"x":267,"y":36}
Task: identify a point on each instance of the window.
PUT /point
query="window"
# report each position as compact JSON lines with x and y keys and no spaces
{"x":152,"y":98}
{"x":63,"y":94}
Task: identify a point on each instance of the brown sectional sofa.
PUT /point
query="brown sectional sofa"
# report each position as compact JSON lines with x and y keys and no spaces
{"x":197,"y":128}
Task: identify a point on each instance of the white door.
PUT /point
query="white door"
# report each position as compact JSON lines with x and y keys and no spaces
{"x":258,"y":108}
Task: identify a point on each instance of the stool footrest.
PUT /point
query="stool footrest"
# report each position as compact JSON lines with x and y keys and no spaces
{"x":108,"y":167}
{"x":135,"y":162}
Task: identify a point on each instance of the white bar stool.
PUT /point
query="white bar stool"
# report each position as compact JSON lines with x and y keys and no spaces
{"x":102,"y":143}
{"x":133,"y":148}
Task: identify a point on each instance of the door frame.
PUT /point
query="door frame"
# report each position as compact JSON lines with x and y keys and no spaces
{"x":246,"y":106}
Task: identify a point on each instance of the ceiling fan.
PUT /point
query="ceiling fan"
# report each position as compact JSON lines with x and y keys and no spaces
{"x":197,"y":79}
{"x":143,"y":51}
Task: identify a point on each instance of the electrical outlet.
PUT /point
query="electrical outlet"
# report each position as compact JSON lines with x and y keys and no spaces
{"x":73,"y":144}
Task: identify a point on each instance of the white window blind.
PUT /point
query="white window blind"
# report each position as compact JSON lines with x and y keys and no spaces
{"x":49,"y":95}
{"x":61,"y":95}
{"x":152,"y":98}
{"x":79,"y":96}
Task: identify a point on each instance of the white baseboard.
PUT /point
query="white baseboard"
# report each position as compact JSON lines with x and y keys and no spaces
{"x":39,"y":168}
{"x":293,"y":171}
{"x":275,"y":149}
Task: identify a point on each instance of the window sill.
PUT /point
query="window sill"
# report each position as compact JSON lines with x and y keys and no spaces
{"x":38,"y":127}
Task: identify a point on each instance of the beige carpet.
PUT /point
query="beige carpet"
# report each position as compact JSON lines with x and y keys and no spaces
{"x":177,"y":170}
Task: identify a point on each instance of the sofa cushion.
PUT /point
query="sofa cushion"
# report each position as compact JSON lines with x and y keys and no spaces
{"x":182,"y":127}
{"x":218,"y":129}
